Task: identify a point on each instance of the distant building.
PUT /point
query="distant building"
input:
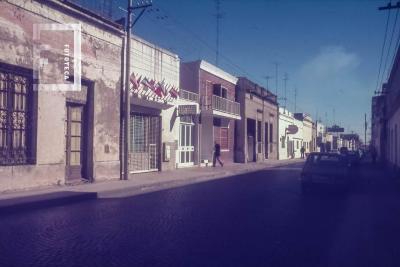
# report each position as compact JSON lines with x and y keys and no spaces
{"x":350,"y":141}
{"x":290,"y":135}
{"x":256,"y":133}
{"x":308,"y":136}
{"x":334,"y":141}
{"x":320,"y":137}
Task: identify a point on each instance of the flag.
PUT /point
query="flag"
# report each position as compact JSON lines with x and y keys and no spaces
{"x":173,"y":92}
{"x":135,"y":82}
{"x":159,"y":90}
{"x":146,"y":83}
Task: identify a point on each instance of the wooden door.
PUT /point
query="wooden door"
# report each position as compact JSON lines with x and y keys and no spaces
{"x":74,"y":142}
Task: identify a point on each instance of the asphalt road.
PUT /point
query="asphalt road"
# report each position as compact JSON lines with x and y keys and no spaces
{"x":261,"y":219}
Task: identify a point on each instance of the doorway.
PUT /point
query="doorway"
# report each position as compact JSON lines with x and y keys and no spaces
{"x":75,"y":142}
{"x":186,"y":144}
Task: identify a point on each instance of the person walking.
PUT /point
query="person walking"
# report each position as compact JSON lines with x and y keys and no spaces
{"x":302,"y":150}
{"x":217,"y":154}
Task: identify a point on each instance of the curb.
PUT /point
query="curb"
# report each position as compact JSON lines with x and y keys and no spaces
{"x":168,"y":184}
{"x":59,"y":198}
{"x":8,"y":206}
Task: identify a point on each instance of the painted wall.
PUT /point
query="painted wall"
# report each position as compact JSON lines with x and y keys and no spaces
{"x":393,"y":140}
{"x":101,"y":52}
{"x":160,"y":65}
{"x":252,"y":107}
{"x":286,"y":118}
{"x":206,"y":91}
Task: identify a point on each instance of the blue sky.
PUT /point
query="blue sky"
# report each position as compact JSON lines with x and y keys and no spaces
{"x":329,"y":49}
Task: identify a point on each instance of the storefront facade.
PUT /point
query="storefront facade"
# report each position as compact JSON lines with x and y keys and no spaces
{"x":155,"y":124}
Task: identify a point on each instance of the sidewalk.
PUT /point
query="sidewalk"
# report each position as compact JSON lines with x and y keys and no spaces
{"x":136,"y":185}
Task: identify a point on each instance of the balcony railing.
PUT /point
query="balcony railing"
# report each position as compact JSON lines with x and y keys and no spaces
{"x":225,"y":105}
{"x":188,"y":95}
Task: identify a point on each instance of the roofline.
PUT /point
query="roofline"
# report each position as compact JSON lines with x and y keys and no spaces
{"x":206,"y":66}
{"x":83,"y":13}
{"x":165,"y":51}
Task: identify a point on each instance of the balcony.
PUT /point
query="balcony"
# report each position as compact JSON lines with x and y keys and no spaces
{"x":190,"y":96}
{"x":221,"y":107}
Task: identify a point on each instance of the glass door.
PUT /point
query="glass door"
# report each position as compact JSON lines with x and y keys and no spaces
{"x":186,"y":145}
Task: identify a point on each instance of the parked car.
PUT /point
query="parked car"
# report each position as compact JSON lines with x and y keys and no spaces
{"x":353,"y":158}
{"x":330,"y":169}
{"x":343,"y":150}
{"x":334,"y":151}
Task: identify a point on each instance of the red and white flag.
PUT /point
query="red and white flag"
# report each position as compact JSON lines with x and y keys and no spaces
{"x":173,"y":92}
{"x":135,"y":82}
{"x":159,"y":91}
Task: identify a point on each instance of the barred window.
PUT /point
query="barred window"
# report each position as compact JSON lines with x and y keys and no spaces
{"x":15,"y":117}
{"x":138,"y":133}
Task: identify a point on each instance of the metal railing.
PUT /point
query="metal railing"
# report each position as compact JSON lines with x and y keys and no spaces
{"x":189,"y":95}
{"x":225,"y":105}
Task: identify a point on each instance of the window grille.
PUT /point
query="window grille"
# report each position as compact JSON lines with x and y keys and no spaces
{"x":15,"y":118}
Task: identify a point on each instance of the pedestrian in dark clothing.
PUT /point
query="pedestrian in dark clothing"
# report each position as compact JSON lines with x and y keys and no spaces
{"x":302,"y":150}
{"x":217,"y":154}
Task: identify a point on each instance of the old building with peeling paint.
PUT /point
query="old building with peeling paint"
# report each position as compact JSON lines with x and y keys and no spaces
{"x":56,"y":136}
{"x":52,"y":133}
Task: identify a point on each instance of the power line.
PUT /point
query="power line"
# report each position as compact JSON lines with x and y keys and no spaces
{"x":285,"y":79}
{"x":390,"y":45}
{"x":207,"y":45}
{"x":396,"y":48}
{"x":382,"y":51}
{"x":276,"y":78}
{"x":218,"y":16}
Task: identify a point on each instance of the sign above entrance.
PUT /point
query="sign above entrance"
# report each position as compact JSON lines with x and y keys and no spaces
{"x":292,"y":129}
{"x":187,"y":110}
{"x":144,"y":87}
{"x":335,"y":129}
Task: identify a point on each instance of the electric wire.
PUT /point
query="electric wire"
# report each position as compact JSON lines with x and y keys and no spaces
{"x":385,"y":70}
{"x":382,"y":52}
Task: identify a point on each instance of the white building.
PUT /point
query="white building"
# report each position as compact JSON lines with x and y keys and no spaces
{"x":308,"y":141}
{"x":321,"y":137}
{"x":290,"y":135}
{"x":162,"y":123}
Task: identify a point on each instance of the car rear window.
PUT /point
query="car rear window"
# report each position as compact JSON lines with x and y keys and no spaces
{"x":325,"y":159}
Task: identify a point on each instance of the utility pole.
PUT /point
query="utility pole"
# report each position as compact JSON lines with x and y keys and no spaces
{"x":295,"y":99}
{"x":334,"y":116}
{"x":127,"y":103}
{"x":127,"y":112}
{"x":285,"y":79}
{"x":218,"y":16}
{"x":276,"y":78}
{"x":365,"y":129}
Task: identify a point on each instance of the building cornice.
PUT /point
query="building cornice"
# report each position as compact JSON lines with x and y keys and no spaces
{"x":204,"y":65}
